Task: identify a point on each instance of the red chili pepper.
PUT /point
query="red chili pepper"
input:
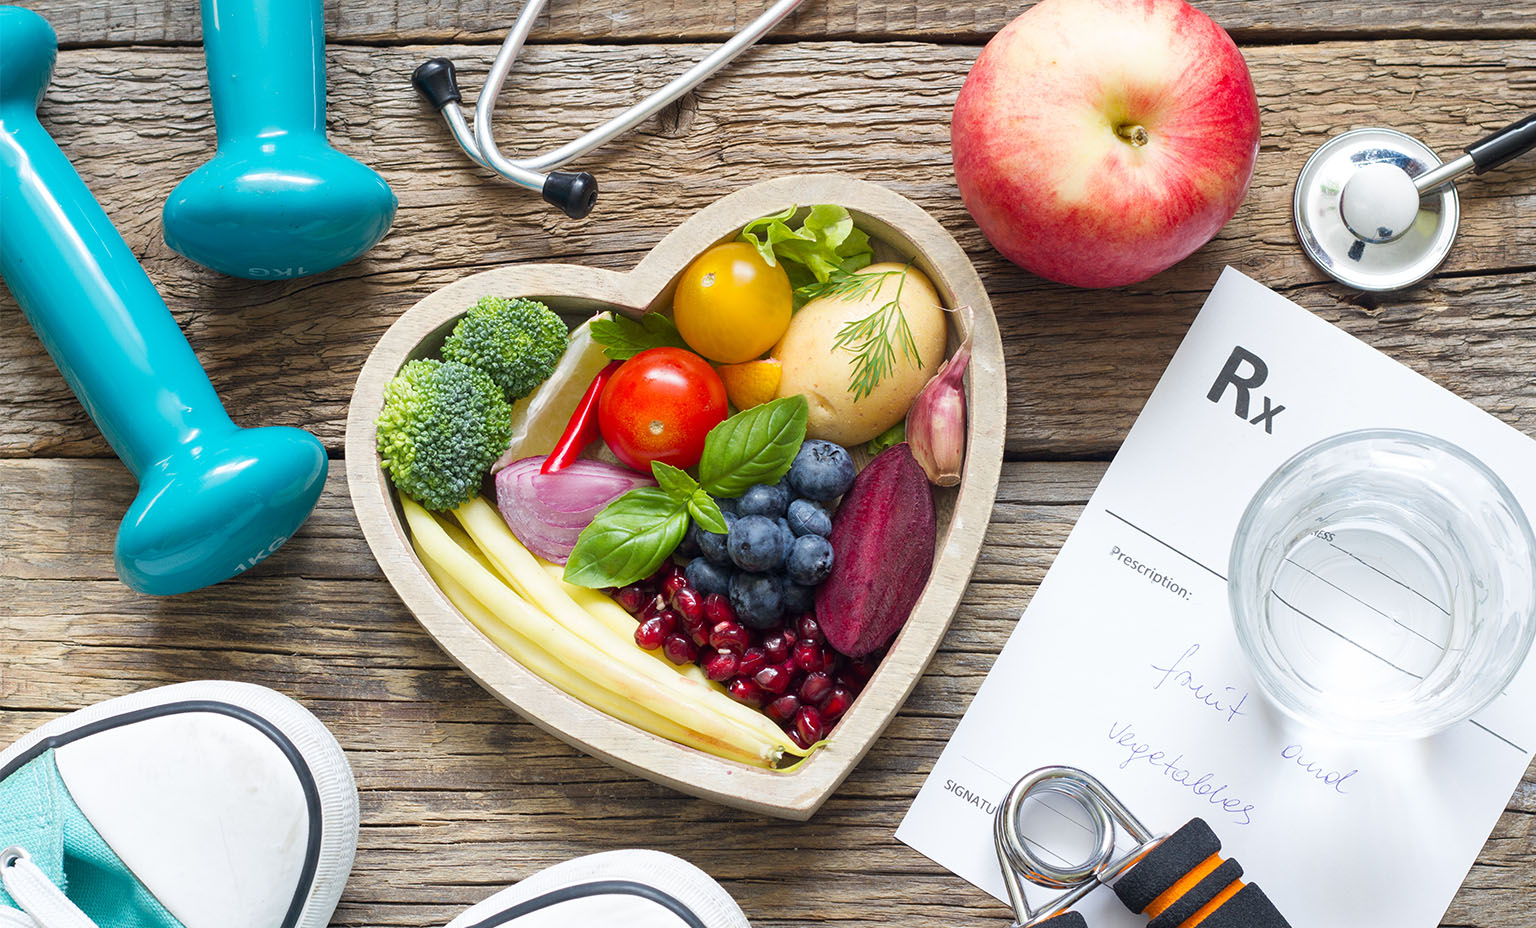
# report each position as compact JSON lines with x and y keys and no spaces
{"x":581,"y":431}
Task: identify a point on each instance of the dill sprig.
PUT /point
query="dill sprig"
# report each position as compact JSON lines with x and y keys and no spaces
{"x":869,"y":338}
{"x":843,"y":285}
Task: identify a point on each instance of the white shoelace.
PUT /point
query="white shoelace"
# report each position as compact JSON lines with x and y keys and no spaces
{"x":45,"y":904}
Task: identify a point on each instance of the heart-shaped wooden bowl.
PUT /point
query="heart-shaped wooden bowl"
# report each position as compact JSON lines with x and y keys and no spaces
{"x":902,"y":231}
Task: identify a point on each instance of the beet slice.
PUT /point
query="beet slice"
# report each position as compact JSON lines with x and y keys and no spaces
{"x":883,"y":537}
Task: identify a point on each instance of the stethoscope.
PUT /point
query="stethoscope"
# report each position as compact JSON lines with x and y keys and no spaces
{"x":1377,"y":210}
{"x":574,"y":192}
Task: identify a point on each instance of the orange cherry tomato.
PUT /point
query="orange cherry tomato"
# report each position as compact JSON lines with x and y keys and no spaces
{"x":658,"y":406}
{"x":731,"y":305}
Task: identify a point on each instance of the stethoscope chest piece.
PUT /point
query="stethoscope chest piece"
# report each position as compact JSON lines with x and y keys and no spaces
{"x":1397,"y":246}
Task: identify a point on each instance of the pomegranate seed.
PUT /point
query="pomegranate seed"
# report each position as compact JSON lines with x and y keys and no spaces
{"x":630,"y":597}
{"x":672,"y":585}
{"x":721,"y":666}
{"x":688,"y":604}
{"x":680,"y":650}
{"x":808,"y":724}
{"x":774,"y":678}
{"x":783,"y":709}
{"x":746,"y":691}
{"x":776,"y":647}
{"x":864,"y":667}
{"x":808,"y":627}
{"x":848,"y":679}
{"x":837,"y":703}
{"x":790,"y":635}
{"x":809,"y":657}
{"x":649,"y":634}
{"x":795,"y":737}
{"x":669,"y":620}
{"x":718,"y":609}
{"x":650,"y":607}
{"x":730,"y":636}
{"x":815,"y":688}
{"x":752,"y":660}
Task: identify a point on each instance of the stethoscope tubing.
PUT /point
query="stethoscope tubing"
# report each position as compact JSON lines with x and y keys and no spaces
{"x":533,"y":172}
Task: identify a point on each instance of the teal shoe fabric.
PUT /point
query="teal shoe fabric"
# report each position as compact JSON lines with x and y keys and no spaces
{"x":38,"y":815}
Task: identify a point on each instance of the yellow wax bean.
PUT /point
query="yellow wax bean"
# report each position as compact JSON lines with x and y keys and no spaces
{"x":522,"y":571}
{"x":566,"y":680}
{"x":666,"y":694}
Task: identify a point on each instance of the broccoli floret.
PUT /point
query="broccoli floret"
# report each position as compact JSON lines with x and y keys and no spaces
{"x":442,"y":426}
{"x":517,"y":342}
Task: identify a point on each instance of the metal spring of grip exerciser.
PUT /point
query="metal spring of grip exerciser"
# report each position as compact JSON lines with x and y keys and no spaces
{"x":1019,"y":860}
{"x":1178,"y":880}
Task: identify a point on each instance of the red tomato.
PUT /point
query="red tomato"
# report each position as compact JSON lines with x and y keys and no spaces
{"x":658,"y":406}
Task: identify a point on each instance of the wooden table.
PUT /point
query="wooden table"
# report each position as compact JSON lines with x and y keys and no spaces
{"x":461,"y":797}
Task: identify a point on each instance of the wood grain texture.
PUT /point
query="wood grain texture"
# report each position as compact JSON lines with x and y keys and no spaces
{"x":1080,"y":362}
{"x":144,"y":21}
{"x":459,"y":795}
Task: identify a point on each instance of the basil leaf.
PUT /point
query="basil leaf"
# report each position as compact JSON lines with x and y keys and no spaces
{"x":628,"y":540}
{"x":755,"y":446}
{"x":675,"y":482}
{"x":706,"y":512}
{"x":622,"y":337}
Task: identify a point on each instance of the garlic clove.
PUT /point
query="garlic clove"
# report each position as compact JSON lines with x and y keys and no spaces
{"x":936,"y":421}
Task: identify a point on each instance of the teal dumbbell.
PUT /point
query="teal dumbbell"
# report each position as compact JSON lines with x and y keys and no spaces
{"x":276,"y":200}
{"x":214,"y":499}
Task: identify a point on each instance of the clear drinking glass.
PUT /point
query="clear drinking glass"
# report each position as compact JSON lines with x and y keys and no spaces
{"x":1383,"y":584}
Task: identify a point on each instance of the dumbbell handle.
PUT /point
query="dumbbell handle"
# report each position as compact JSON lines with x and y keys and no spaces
{"x":90,"y":302}
{"x":266,"y":66}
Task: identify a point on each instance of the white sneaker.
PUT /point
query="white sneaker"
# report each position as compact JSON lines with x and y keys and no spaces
{"x":631,"y":889}
{"x":208,"y":805}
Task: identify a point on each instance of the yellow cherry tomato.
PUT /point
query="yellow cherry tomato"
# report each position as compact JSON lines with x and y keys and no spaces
{"x":731,"y":305}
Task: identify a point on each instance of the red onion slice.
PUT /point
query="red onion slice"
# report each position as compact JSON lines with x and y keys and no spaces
{"x":548,"y":511}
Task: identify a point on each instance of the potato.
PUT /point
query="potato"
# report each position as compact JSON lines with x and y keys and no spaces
{"x":816,"y":367}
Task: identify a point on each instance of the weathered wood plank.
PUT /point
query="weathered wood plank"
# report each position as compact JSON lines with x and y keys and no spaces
{"x":124,"y":22}
{"x":1081,"y":362}
{"x":461,"y":797}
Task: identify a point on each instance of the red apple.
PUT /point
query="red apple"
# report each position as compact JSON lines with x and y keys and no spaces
{"x":1098,"y":142}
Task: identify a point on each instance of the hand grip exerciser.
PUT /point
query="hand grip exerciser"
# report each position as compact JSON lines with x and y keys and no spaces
{"x":1178,"y":881}
{"x":214,"y":499}
{"x":276,"y":201}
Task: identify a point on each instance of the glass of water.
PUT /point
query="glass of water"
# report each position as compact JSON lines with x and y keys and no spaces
{"x":1383,"y":584}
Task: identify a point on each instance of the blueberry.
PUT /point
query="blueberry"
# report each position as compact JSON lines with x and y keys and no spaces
{"x":763,"y":500}
{"x":810,"y":560}
{"x":807,"y":517}
{"x":713,"y":546}
{"x":727,"y":504}
{"x":689,"y":546}
{"x":822,"y":471}
{"x":799,"y":599}
{"x":785,"y":532}
{"x":707,"y":578}
{"x":758,"y":599}
{"x":755,"y":543}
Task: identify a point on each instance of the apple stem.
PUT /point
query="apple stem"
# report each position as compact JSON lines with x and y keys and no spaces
{"x":1135,"y":134}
